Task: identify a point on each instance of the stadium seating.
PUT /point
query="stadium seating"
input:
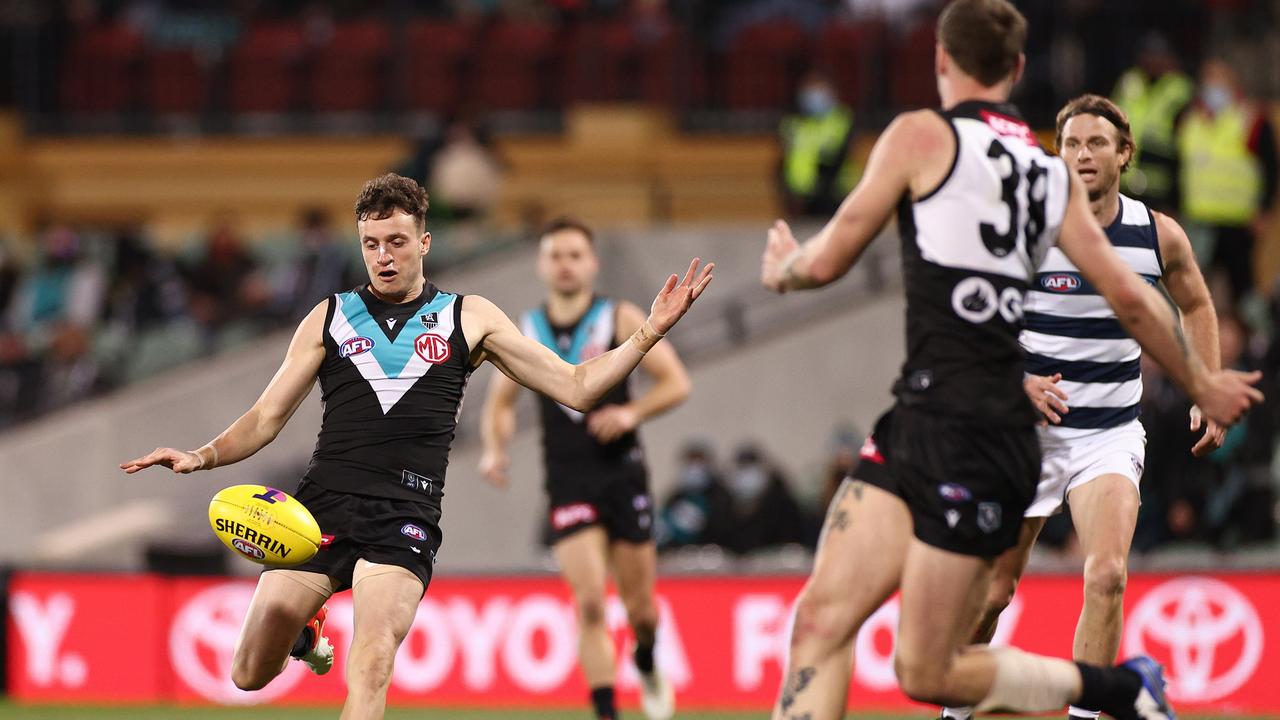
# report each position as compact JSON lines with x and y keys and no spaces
{"x":176,"y":82}
{"x":263,"y":72}
{"x":438,"y":63}
{"x":849,"y":53}
{"x":514,"y":71}
{"x":346,"y":71}
{"x":98,"y":69}
{"x":763,"y":65}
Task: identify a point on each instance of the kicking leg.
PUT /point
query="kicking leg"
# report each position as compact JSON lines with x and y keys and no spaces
{"x":636,"y":568}
{"x":385,"y":599}
{"x":583,"y":558}
{"x":858,"y":566}
{"x":283,"y":603}
{"x":1105,"y":512}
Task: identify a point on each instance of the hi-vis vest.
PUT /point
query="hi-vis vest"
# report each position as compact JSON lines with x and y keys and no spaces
{"x":1152,"y":109}
{"x":809,"y":142}
{"x":1221,"y":179}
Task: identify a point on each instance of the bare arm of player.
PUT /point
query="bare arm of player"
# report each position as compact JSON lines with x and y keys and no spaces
{"x":493,"y":337}
{"x":260,"y":425}
{"x":1145,"y":313}
{"x":497,"y":426}
{"x":913,"y":153}
{"x":670,"y":385}
{"x":1185,"y":284}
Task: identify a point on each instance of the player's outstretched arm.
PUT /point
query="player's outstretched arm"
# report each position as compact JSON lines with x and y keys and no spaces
{"x":1185,"y":284}
{"x":497,"y":426}
{"x":671,"y":385}
{"x":260,"y":425}
{"x":580,"y":387}
{"x":1222,"y":395}
{"x":899,"y":161}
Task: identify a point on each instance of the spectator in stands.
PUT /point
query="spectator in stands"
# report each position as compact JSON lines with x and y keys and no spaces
{"x":326,"y":265}
{"x":19,"y":378}
{"x":765,"y":512}
{"x":65,"y":286}
{"x":465,"y":173}
{"x":1153,"y":94}
{"x":700,"y":510}
{"x":69,"y":372}
{"x":1228,"y":173}
{"x":846,"y":445}
{"x":816,"y":173}
{"x":10,"y":273}
{"x":1240,"y":506}
{"x":221,"y":281}
{"x":146,"y":290}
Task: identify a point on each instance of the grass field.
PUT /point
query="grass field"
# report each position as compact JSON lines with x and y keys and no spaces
{"x":8,"y":711}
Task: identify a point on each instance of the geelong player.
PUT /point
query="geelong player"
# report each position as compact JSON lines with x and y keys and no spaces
{"x":951,"y":468}
{"x":1083,"y":377}
{"x":600,"y":508}
{"x":392,"y":358}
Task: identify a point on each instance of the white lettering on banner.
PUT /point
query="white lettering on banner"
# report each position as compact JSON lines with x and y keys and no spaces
{"x":552,"y":618}
{"x":43,"y":628}
{"x":206,"y":628}
{"x":479,"y":642}
{"x":760,"y":631}
{"x":426,"y":655}
{"x":1193,"y":620}
{"x":669,"y":652}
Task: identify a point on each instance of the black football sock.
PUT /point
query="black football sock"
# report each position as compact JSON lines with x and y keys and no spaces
{"x":304,"y":642}
{"x":644,"y":657}
{"x":1112,"y":690}
{"x":602,"y":701}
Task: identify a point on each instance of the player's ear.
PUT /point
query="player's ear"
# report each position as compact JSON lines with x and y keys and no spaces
{"x":941,"y":61}
{"x":425,"y":241}
{"x":1017,"y":70}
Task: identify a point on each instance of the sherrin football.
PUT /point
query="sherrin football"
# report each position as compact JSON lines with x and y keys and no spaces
{"x":265,"y":525}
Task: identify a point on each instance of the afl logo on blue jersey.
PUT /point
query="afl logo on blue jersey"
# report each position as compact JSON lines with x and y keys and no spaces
{"x":1060,"y":282}
{"x":355,"y":346}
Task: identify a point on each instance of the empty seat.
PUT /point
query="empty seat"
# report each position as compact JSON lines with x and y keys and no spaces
{"x":347,"y":72}
{"x":438,"y":65}
{"x":513,"y":70}
{"x":911,"y":80}
{"x":98,"y":69}
{"x":763,"y":66}
{"x":176,"y":82}
{"x":263,"y":69}
{"x":849,"y":54}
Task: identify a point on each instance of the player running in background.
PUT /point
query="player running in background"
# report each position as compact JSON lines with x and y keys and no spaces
{"x":600,"y":509}
{"x":392,"y":358}
{"x":1083,"y":376}
{"x":950,"y":469}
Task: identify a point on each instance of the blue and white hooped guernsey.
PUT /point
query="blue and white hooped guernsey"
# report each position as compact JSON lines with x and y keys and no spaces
{"x":1070,"y":328}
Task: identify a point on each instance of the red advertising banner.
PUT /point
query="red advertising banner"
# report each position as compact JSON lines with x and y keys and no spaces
{"x":512,"y":641}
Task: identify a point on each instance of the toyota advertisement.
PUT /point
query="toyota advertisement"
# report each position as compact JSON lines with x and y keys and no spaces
{"x":511,"y":641}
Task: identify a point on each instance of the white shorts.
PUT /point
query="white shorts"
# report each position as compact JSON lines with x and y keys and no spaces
{"x":1072,"y":457}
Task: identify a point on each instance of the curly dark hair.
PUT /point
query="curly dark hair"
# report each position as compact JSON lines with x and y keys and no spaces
{"x":383,"y":195}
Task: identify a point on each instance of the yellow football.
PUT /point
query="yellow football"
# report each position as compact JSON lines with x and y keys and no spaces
{"x":265,"y":525}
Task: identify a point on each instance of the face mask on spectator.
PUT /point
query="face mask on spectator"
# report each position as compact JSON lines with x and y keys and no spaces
{"x":749,"y":482}
{"x":816,"y":101}
{"x":696,"y":476}
{"x":1215,"y":97}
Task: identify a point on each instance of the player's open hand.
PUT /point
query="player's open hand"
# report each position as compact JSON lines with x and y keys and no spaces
{"x":778,"y":248}
{"x":1214,"y":433}
{"x":1226,"y":395}
{"x":1048,"y":398}
{"x":493,"y":466}
{"x":677,"y":295}
{"x":612,"y":422}
{"x":179,"y":461}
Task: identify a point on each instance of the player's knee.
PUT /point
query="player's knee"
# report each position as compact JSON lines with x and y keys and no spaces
{"x":590,"y":608}
{"x":1105,"y":576}
{"x":642,"y":613}
{"x":248,"y":675}
{"x":824,"y":620}
{"x":921,"y":679}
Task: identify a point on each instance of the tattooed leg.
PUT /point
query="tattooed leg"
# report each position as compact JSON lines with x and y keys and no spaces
{"x":858,"y":566}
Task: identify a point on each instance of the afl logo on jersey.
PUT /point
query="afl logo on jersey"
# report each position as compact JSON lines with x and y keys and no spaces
{"x":355,"y":346}
{"x":1060,"y":282}
{"x":432,"y":348}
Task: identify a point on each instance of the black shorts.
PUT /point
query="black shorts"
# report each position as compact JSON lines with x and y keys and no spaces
{"x":966,"y":483}
{"x":380,"y":530}
{"x":615,"y":498}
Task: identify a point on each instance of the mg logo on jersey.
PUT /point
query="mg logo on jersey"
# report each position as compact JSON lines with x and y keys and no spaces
{"x":355,"y":346}
{"x":1207,"y":634}
{"x":432,"y":348}
{"x":1060,"y":282}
